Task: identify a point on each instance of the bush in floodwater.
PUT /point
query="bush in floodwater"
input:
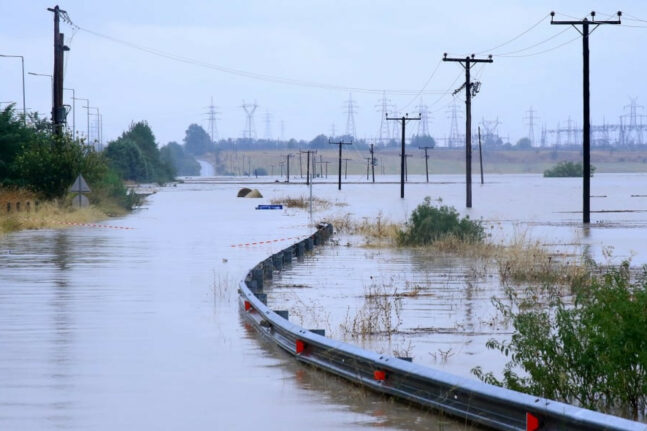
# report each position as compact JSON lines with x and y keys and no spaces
{"x":591,"y":351}
{"x":430,"y":223}
{"x":566,"y":169}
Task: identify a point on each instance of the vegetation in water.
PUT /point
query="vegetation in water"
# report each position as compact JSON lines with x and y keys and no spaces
{"x":429,"y":223}
{"x":589,"y":349}
{"x":567,"y":169}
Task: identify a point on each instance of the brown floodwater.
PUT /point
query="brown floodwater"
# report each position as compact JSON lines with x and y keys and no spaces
{"x":109,"y":329}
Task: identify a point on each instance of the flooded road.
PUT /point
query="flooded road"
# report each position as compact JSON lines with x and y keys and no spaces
{"x":108,"y":329}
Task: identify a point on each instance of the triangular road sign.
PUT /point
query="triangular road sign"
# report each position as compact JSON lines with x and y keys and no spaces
{"x":79,"y":186}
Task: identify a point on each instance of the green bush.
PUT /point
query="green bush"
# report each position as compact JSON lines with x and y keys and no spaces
{"x":49,"y":171}
{"x":33,"y":158}
{"x":592,"y":351}
{"x":566,"y":169}
{"x":429,"y":223}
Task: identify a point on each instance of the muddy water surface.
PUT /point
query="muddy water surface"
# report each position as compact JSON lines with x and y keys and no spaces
{"x":108,"y":329}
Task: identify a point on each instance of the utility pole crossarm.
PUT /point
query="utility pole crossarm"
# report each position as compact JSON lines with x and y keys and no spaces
{"x":580,"y":22}
{"x":468,"y":59}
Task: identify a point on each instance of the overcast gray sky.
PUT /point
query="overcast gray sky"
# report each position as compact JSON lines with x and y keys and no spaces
{"x":372,"y":45}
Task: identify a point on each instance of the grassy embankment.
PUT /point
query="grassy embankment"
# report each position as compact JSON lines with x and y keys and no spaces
{"x":37,"y":214}
{"x":443,"y":161}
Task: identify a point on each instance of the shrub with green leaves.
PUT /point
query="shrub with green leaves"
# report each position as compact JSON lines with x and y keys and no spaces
{"x":567,"y":169}
{"x":430,"y":223}
{"x":591,"y":351}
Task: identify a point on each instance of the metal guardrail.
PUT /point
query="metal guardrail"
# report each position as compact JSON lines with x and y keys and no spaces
{"x":463,"y":398}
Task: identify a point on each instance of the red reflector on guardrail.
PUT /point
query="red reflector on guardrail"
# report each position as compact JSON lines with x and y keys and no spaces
{"x":248,"y":306}
{"x":379,"y":375}
{"x":300,"y":346}
{"x":532,"y":422}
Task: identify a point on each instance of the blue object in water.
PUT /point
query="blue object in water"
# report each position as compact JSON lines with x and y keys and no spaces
{"x":269,"y":207}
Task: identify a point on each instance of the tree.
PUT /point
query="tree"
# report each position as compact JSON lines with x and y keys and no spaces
{"x":423,"y":141}
{"x":184,"y":164}
{"x":13,"y":134}
{"x":197,"y":141}
{"x":136,"y":156}
{"x":523,"y":144}
{"x":128,"y":160}
{"x":319,"y":142}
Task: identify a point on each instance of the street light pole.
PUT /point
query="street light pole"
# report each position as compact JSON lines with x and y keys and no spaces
{"x":87,"y":106}
{"x":22,"y":62}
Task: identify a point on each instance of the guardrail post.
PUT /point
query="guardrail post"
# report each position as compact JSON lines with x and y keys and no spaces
{"x":309,"y":244}
{"x":287,"y":255}
{"x":301,"y":249}
{"x":257,"y":276}
{"x":268,"y":267}
{"x":277,"y":261}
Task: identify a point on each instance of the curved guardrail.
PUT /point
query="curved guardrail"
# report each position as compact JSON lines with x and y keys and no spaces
{"x":463,"y":398}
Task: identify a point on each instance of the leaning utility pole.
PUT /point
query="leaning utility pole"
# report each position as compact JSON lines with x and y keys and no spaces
{"x":340,"y":143}
{"x":403,"y":119}
{"x":426,"y":160}
{"x":586,"y":122}
{"x":58,"y":110}
{"x":471,"y":89}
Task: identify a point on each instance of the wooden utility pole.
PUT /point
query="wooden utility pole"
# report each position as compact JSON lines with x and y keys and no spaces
{"x":346,"y":168}
{"x":586,"y":112}
{"x":287,"y":161}
{"x":308,"y":152}
{"x":341,"y":143}
{"x":58,"y":110}
{"x":404,"y":120}
{"x":372,"y":150}
{"x":426,"y":160}
{"x":471,"y":89}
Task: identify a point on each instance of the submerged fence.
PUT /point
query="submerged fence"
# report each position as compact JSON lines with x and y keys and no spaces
{"x":463,"y":398}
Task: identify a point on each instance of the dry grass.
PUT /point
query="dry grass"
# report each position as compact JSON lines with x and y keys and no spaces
{"x":378,"y":315}
{"x":49,"y":215}
{"x":302,"y":202}
{"x":524,"y":260}
{"x":521,"y":260}
{"x":378,"y":231}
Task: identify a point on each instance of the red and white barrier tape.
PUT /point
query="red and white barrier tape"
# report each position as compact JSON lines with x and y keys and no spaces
{"x":98,"y":225}
{"x":271,"y":241}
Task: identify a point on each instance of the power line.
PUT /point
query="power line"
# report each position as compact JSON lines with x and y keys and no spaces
{"x":543,"y":18}
{"x":247,"y":74}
